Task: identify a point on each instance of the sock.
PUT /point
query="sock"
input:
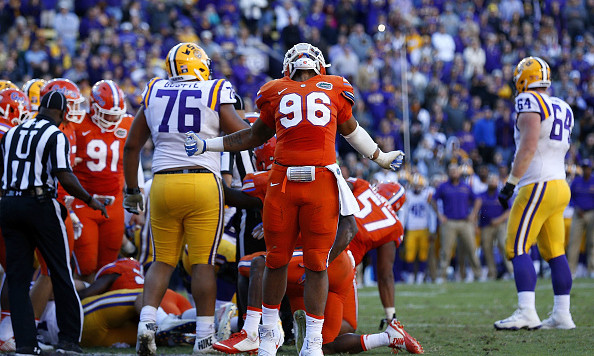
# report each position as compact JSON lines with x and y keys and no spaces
{"x":161,"y":315}
{"x":524,"y":273}
{"x":409,"y":267}
{"x":313,"y":325}
{"x":561,"y":304}
{"x":526,"y":300}
{"x":372,"y":341}
{"x":270,"y":314}
{"x":204,"y":326}
{"x":252,"y":319}
{"x":148,"y":313}
{"x":560,"y":275}
{"x":422,"y":266}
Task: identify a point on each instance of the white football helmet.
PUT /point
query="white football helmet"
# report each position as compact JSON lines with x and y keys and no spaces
{"x":304,"y":56}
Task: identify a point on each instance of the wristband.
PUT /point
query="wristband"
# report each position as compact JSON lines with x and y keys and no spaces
{"x":132,"y":190}
{"x":513,"y":180}
{"x":390,"y":311}
{"x":214,"y":144}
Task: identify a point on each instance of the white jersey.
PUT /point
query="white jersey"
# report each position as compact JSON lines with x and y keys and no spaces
{"x":555,"y":134}
{"x":418,"y":209}
{"x":172,"y":109}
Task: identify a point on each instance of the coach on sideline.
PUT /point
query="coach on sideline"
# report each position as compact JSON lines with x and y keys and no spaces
{"x":34,"y":154}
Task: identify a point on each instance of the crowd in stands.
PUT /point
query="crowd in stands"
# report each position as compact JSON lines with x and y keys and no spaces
{"x":458,"y":58}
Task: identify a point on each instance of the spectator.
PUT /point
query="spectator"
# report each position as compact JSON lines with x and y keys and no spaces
{"x":582,"y":224}
{"x":286,"y":13}
{"x":509,"y":8}
{"x":66,"y":24}
{"x":485,"y":136}
{"x":575,"y":17}
{"x":474,"y":56}
{"x":444,"y":44}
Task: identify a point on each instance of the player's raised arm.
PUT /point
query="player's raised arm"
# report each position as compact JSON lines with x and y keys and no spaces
{"x":357,"y":137}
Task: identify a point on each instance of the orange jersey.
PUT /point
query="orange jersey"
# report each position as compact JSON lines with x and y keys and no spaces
{"x":99,"y":157}
{"x":68,"y":128}
{"x":255,"y":184}
{"x":377,"y":222}
{"x":305,"y":116}
{"x":130,"y":272}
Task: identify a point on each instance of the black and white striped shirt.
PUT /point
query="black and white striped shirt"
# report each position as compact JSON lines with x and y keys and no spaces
{"x":237,"y":164}
{"x":32,"y":153}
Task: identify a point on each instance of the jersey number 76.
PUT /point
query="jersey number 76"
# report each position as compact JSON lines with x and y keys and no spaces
{"x":183,"y":109}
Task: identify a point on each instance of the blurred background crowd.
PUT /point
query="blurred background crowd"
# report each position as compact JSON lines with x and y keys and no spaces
{"x":457,"y":58}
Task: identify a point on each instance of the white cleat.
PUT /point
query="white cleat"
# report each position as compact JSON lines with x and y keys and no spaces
{"x":145,"y":339}
{"x":223,"y":317}
{"x":271,"y":338}
{"x":238,"y":343}
{"x":312,"y":347}
{"x":203,"y":345}
{"x":558,"y":321}
{"x":520,"y":319}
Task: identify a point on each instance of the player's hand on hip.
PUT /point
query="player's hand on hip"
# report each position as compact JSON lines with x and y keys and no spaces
{"x":505,"y":193}
{"x":194,"y":144}
{"x":134,"y":203}
{"x":258,"y":231}
{"x":390,"y":160}
{"x":96,"y":205}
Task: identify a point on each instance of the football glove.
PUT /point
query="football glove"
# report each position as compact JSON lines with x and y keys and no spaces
{"x":194,"y":144}
{"x":134,"y":203}
{"x":258,"y":231}
{"x":506,"y":192}
{"x":390,"y":160}
{"x":76,"y":224}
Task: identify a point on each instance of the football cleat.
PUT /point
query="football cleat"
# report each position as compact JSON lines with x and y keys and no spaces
{"x":558,"y":321}
{"x":238,"y":343}
{"x":8,"y":345}
{"x":172,"y":325}
{"x":312,"y":347}
{"x":203,"y":345}
{"x":401,"y":340}
{"x":223,"y":317}
{"x":520,"y":319}
{"x":271,"y":338}
{"x":145,"y":338}
{"x":300,"y":326}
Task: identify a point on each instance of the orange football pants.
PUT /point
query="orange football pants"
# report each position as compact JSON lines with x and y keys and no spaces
{"x":292,"y":207}
{"x":174,"y":303}
{"x":101,"y":238}
{"x":340,"y":278}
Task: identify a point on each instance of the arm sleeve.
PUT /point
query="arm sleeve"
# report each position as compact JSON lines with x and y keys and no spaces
{"x":59,"y":152}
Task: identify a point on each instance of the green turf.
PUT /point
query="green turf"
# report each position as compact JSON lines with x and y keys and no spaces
{"x":457,"y":319}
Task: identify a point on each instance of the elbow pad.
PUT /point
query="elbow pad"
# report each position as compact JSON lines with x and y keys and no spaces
{"x":362,"y":142}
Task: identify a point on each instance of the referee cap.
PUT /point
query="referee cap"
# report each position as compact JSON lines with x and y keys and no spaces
{"x":54,"y":100}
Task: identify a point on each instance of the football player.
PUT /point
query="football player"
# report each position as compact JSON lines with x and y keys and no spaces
{"x":15,"y":108}
{"x":100,"y":139}
{"x":305,"y":109}
{"x":186,"y":194}
{"x":542,"y":134}
{"x":7,"y":84}
{"x":32,"y":89}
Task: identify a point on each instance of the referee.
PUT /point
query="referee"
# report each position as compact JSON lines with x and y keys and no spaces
{"x":34,"y":157}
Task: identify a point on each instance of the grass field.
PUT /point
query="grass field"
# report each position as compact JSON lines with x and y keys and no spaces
{"x":457,"y":319}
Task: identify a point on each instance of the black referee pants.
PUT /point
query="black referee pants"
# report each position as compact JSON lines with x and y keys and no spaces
{"x":27,"y":223}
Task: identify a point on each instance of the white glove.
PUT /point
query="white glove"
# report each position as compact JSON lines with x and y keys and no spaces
{"x":194,"y":144}
{"x":258,"y":231}
{"x":391,"y":160}
{"x":77,"y":225}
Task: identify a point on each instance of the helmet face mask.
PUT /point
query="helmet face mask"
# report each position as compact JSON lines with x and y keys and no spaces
{"x":188,"y":61}
{"x":531,"y":73}
{"x":73,"y":97}
{"x":14,"y":106}
{"x":304,"y":56}
{"x":108,"y":105}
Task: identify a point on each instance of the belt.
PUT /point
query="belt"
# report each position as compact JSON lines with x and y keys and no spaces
{"x":185,"y":171}
{"x":284,"y":165}
{"x":33,"y":192}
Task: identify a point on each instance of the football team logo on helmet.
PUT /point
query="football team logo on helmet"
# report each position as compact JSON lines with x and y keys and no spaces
{"x":32,"y":89}
{"x":72,"y":94}
{"x":14,"y":106}
{"x":393,"y":192}
{"x":304,"y":56}
{"x":108,"y":105}
{"x":265,"y":155}
{"x":530,"y":73}
{"x":187,"y":61}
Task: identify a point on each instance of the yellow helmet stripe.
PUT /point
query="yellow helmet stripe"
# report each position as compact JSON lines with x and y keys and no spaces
{"x":543,"y":68}
{"x":171,"y":60}
{"x":544,"y":108}
{"x":215,"y":94}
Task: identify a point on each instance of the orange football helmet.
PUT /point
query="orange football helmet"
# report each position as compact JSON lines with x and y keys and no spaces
{"x":532,"y":72}
{"x":14,"y":106}
{"x":32,"y":89}
{"x":393,"y":192}
{"x":108,"y":105}
{"x":265,"y":155}
{"x":7,"y":84}
{"x":72,"y":94}
{"x":304,"y":56}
